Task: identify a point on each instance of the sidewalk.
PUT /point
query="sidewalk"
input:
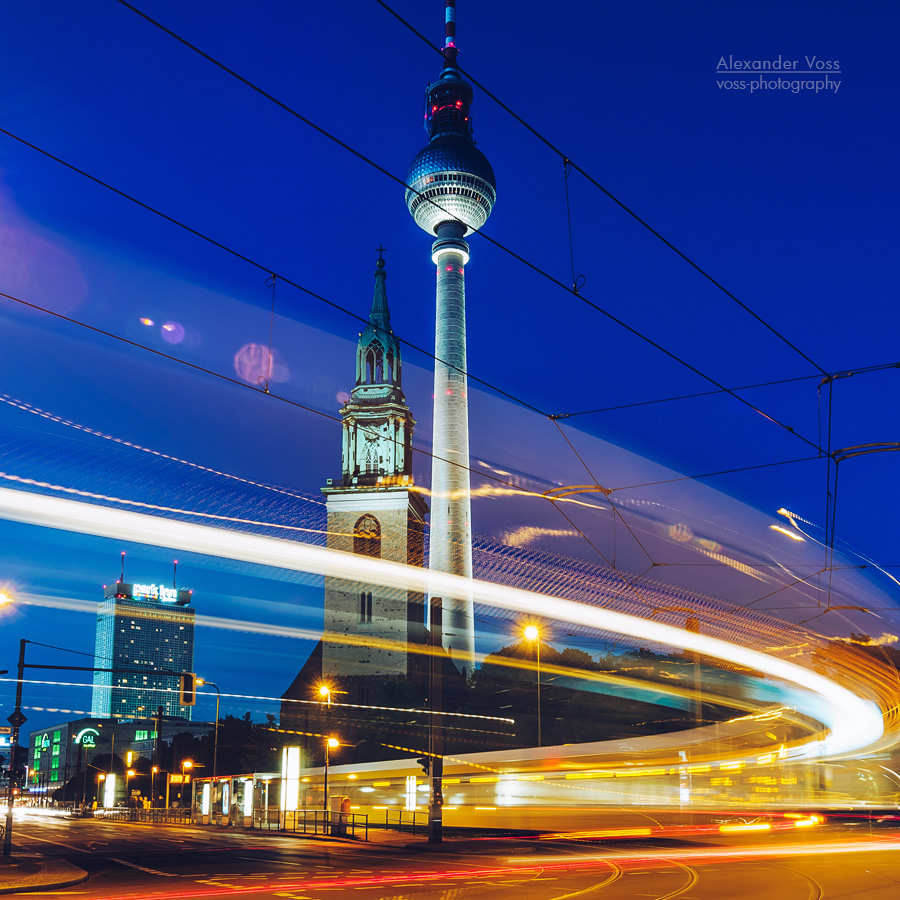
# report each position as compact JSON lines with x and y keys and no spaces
{"x":24,"y":872}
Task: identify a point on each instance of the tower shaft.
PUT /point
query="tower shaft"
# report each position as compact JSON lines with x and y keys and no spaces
{"x":450,"y":191}
{"x":450,"y":547}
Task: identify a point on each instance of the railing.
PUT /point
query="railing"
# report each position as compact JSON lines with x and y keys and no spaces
{"x":266,"y":818}
{"x":314,"y":821}
{"x":176,"y":816}
{"x":405,"y":820}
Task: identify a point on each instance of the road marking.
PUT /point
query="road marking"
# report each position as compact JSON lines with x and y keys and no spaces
{"x":34,"y":837}
{"x":124,"y":862}
{"x":271,"y":862}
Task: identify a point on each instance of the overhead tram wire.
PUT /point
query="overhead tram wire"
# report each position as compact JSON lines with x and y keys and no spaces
{"x":574,"y":289}
{"x":526,"y":262}
{"x":384,"y":171}
{"x":263,"y":268}
{"x":556,"y":505}
{"x":252,"y":262}
{"x":568,"y":162}
{"x":85,"y":429}
{"x":863,"y":370}
{"x":242,"y":384}
{"x":305,"y":290}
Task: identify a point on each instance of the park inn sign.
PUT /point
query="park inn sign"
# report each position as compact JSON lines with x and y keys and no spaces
{"x":155,"y":592}
{"x":87,"y":737}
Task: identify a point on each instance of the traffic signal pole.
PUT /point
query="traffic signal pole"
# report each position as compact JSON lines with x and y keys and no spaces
{"x":435,"y":726}
{"x":16,"y":720}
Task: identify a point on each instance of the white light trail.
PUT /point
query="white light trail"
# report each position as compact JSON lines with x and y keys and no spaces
{"x":854,"y":722}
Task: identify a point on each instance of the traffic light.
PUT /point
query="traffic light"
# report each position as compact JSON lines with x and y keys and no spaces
{"x":188,"y":689}
{"x":425,"y":763}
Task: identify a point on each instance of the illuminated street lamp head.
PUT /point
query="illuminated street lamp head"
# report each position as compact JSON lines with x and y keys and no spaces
{"x":333,"y":742}
{"x":532,"y":633}
{"x":187,"y":764}
{"x":450,"y":180}
{"x":324,"y":691}
{"x":130,"y":773}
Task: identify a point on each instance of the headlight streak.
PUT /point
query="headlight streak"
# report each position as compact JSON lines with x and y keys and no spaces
{"x":854,"y":722}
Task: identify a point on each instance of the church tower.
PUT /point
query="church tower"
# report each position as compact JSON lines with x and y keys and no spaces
{"x":374,"y":509}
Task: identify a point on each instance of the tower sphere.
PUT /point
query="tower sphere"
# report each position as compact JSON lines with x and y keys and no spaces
{"x":450,"y":179}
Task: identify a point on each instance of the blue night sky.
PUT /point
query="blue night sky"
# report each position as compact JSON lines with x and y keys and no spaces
{"x":787,"y":199}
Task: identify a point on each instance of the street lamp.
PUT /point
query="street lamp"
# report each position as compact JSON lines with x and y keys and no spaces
{"x":325,"y":694}
{"x":212,"y":684}
{"x":153,"y":773}
{"x":330,"y":743}
{"x":532,"y":634}
{"x":185,"y":764}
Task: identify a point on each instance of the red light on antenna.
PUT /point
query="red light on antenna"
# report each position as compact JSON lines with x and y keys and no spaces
{"x":459,"y":104}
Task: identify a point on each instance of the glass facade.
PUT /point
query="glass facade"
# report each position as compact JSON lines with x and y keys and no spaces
{"x":147,"y":635}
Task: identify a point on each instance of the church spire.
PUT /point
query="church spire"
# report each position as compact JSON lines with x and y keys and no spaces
{"x":380,"y":316}
{"x":378,"y":426}
{"x":378,"y":351}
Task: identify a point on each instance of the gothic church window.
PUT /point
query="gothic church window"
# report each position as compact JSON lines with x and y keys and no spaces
{"x":367,"y":536}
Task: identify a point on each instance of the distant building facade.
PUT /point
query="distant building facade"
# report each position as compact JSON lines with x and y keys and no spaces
{"x":149,"y":629}
{"x":73,"y":760}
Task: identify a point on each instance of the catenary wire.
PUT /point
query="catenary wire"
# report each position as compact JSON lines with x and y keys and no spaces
{"x":234,"y":381}
{"x":300,"y":287}
{"x":298,"y":405}
{"x":600,"y":187}
{"x":346,"y":147}
{"x":267,"y":269}
{"x":534,"y":267}
{"x":863,"y":370}
{"x":605,"y":313}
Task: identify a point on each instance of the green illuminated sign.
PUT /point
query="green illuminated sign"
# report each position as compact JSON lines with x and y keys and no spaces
{"x":87,"y":737}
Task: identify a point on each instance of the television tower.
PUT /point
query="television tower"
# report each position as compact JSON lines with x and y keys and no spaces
{"x":450,"y":191}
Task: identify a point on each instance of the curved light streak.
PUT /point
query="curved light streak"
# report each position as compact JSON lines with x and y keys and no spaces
{"x":854,"y":722}
{"x":793,"y":519}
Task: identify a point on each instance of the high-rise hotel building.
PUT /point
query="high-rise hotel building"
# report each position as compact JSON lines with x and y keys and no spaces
{"x":142,"y":630}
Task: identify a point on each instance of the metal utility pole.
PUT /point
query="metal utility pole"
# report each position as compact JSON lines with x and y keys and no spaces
{"x":17,"y":720}
{"x":157,"y":751}
{"x":212,"y":684}
{"x":435,"y":726}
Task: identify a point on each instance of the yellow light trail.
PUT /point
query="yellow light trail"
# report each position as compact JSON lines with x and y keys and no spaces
{"x":854,"y":722}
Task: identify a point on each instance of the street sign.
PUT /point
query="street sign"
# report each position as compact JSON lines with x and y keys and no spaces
{"x":16,"y":719}
{"x":5,"y":729}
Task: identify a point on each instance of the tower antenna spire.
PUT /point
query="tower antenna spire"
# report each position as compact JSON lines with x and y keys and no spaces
{"x":450,"y":48}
